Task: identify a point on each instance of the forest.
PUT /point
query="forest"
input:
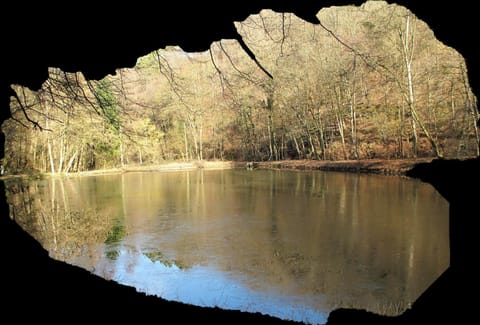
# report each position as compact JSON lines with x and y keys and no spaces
{"x":367,"y":82}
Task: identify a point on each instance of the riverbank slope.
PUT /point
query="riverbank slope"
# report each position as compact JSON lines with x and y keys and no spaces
{"x":374,"y":166}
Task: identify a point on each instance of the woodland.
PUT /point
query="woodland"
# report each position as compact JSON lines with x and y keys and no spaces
{"x":367,"y":82}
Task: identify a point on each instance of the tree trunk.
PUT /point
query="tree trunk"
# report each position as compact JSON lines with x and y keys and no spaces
{"x":317,"y":122}
{"x":193,"y":131}
{"x":201,"y":140}
{"x":50,"y":155}
{"x":342,"y":135}
{"x":401,"y":131}
{"x":339,"y":118}
{"x":452,"y":103}
{"x":61,"y":153}
{"x":70,"y":162}
{"x":187,"y":158}
{"x":49,"y":145}
{"x":34,"y":150}
{"x":351,"y":89}
{"x":297,"y":147}
{"x":470,"y":103}
{"x":408,"y":50}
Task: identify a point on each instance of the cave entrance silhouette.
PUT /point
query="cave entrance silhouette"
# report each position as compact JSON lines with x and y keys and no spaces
{"x":96,"y":41}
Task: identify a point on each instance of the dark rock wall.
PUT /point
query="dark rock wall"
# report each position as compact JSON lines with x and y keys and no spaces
{"x":84,"y":36}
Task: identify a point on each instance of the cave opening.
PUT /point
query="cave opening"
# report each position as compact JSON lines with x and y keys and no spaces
{"x":445,"y":185}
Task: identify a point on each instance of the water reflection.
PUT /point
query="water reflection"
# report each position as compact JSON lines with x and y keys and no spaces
{"x":292,"y":244}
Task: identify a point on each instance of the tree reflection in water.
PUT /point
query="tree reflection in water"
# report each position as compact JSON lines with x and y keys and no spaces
{"x":310,"y":240}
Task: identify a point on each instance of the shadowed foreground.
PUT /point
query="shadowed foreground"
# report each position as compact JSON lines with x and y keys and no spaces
{"x":449,"y":299}
{"x":44,"y":289}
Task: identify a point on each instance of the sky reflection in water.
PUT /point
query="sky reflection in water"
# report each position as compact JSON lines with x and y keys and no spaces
{"x":294,"y":245}
{"x":206,"y":286}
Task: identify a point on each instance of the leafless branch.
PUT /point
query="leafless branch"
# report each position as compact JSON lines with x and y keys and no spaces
{"x":369,"y":61}
{"x":265,"y":27}
{"x":251,"y":54}
{"x":170,"y":78}
{"x":87,"y":99}
{"x":91,"y":87}
{"x":219,"y":72}
{"x":242,"y":74}
{"x":18,"y":121}
{"x":25,"y":114}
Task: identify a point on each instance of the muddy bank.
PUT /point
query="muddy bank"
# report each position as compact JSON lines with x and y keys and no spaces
{"x":165,"y":167}
{"x":168,"y":166}
{"x":374,"y":166}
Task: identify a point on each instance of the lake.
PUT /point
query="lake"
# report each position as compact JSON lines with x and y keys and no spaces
{"x":294,"y":245}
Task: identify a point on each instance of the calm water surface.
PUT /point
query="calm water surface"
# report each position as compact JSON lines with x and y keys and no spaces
{"x":295,"y":245}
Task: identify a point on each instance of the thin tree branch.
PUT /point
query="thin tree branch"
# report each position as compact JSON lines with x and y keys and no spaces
{"x":370,"y":62}
{"x":19,"y":122}
{"x":171,"y":79}
{"x":86,"y":97}
{"x":220,"y":73}
{"x":242,"y":74}
{"x":25,"y":114}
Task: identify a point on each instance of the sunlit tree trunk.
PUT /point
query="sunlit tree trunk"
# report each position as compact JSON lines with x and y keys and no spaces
{"x":318,"y":125}
{"x":70,"y":162}
{"x":79,"y":160}
{"x":339,"y":118}
{"x":350,"y":86}
{"x":200,"y":131}
{"x":401,"y":132}
{"x":407,"y":47}
{"x":34,"y":150}
{"x":432,"y":109}
{"x":341,"y":128}
{"x":120,"y":118}
{"x":408,"y":41}
{"x":353,"y":124}
{"x":48,"y":140}
{"x":193,"y":131}
{"x":122,"y":157}
{"x":185,"y":139}
{"x":452,"y":103}
{"x":470,"y":103}
{"x":297,"y":147}
{"x":61,"y":150}
{"x":302,"y":119}
{"x":271,"y":131}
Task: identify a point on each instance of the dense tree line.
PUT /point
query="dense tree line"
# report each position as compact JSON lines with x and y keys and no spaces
{"x":368,"y":82}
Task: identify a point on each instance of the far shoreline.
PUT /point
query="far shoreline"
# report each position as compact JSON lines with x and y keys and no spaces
{"x":398,"y":167}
